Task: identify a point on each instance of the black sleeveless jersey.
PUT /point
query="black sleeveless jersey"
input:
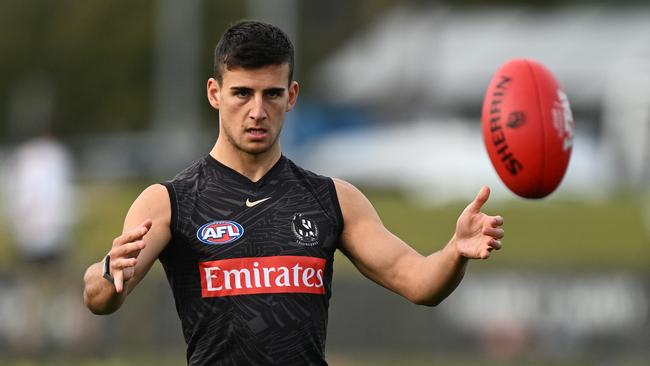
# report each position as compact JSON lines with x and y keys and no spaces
{"x":250,"y":263}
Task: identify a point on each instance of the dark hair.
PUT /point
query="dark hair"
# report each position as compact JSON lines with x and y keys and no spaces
{"x":250,"y":45}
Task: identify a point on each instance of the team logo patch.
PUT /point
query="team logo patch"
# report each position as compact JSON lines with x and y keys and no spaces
{"x":305,"y":230}
{"x":219,"y":232}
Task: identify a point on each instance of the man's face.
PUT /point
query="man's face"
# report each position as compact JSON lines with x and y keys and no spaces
{"x":252,"y":104}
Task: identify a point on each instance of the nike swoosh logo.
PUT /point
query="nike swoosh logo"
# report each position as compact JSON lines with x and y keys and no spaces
{"x":250,"y":203}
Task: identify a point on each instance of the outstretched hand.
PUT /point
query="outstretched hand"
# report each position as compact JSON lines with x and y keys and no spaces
{"x":124,"y":254}
{"x":477,"y":234}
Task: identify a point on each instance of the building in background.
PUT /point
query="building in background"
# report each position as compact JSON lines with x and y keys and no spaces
{"x":421,"y":73}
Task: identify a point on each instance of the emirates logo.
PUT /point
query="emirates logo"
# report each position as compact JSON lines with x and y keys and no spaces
{"x":262,"y":275}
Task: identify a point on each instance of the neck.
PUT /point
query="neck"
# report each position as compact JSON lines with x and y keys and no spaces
{"x":252,"y":166}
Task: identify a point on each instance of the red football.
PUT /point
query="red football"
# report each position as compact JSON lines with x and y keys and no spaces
{"x":527,"y":128}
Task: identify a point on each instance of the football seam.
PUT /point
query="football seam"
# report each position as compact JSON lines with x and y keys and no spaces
{"x":540,"y":187}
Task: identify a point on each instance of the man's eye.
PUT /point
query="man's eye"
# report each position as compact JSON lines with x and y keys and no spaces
{"x":274,"y":94}
{"x":242,"y":93}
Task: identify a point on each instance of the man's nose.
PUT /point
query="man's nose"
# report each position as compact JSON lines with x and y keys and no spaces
{"x":257,"y":111}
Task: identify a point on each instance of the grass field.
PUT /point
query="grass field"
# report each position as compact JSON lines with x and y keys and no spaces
{"x":559,"y":234}
{"x":335,"y":360}
{"x":542,"y":234}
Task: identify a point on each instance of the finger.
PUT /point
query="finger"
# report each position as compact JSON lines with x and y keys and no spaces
{"x":147,"y":223}
{"x":128,"y":250}
{"x":129,"y":236}
{"x":121,"y":263}
{"x":479,"y":201}
{"x":135,"y":234}
{"x":496,"y":233}
{"x":497,"y":221}
{"x":118,"y":281}
{"x":495,"y":244}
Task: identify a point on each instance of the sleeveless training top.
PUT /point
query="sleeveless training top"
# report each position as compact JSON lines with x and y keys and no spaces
{"x":250,"y":263}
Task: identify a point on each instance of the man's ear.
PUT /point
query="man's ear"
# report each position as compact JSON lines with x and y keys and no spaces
{"x":213,"y":90}
{"x":294,"y":88}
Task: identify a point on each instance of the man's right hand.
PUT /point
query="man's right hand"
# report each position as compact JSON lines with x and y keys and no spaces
{"x":133,"y":253}
{"x":124,"y":254}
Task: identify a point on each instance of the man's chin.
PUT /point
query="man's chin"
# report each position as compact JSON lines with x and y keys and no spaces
{"x":256,"y":148}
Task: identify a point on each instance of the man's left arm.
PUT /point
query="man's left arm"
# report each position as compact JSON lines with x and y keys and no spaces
{"x":387,"y":260}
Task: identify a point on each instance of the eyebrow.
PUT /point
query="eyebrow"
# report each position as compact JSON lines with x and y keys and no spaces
{"x":275,"y":90}
{"x":245,"y":88}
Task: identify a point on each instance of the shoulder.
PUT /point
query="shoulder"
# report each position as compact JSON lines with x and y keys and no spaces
{"x":186,"y":181}
{"x":153,"y":200}
{"x":346,"y":191}
{"x":154,"y":191}
{"x":320,"y":183}
{"x":354,"y":204}
{"x":154,"y":204}
{"x":302,"y":172}
{"x":191,"y":172}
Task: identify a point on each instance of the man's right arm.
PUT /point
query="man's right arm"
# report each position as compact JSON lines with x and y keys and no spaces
{"x":145,"y":234}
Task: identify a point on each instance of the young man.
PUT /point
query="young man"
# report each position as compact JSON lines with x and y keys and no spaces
{"x":247,"y":238}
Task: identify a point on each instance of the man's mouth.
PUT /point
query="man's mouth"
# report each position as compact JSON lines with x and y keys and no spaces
{"x":256,"y":133}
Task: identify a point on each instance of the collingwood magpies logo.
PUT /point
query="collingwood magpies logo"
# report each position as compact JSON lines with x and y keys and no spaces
{"x":305,"y":230}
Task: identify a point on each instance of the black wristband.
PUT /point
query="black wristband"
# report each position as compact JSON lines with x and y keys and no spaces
{"x":107,"y":269}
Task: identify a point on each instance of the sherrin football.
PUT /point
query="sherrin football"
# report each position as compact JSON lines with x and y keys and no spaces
{"x":527,"y":128}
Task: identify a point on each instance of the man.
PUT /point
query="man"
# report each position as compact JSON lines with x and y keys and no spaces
{"x":247,"y":238}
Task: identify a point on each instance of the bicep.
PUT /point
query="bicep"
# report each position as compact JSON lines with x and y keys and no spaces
{"x":373,"y":249}
{"x":153,"y":203}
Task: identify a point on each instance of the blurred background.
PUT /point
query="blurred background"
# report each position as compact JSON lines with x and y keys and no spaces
{"x":99,"y":99}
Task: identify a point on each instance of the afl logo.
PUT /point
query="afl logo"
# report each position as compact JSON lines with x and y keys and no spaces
{"x":219,"y":232}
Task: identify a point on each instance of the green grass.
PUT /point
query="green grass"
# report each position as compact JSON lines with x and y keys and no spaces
{"x":542,"y":234}
{"x":559,"y":234}
{"x":103,"y":210}
{"x":149,"y":358}
{"x":382,"y":358}
{"x":363,"y":359}
{"x":549,"y":234}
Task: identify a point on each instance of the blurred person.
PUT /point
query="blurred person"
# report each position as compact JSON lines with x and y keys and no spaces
{"x":37,"y":175}
{"x":40,"y":207}
{"x":38,"y":187}
{"x":38,"y":198}
{"x":646,"y":211}
{"x":247,"y":238}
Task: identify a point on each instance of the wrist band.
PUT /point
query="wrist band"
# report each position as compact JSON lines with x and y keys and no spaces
{"x":107,"y":269}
